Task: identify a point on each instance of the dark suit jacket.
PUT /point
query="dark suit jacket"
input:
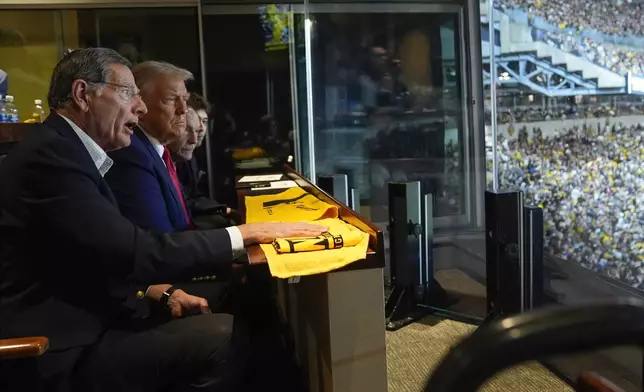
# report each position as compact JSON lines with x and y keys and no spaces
{"x":70,"y":263}
{"x":143,"y":188}
{"x":190,"y":176}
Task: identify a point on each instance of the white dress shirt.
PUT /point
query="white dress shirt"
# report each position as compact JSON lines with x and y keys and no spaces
{"x":99,"y":156}
{"x":155,"y":143}
{"x":236,"y":239}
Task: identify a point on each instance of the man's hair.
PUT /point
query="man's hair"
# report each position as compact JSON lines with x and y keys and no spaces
{"x":197,"y":102}
{"x":147,"y":71}
{"x":91,"y":65}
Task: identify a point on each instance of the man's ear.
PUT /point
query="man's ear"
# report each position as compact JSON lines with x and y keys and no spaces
{"x":80,"y":94}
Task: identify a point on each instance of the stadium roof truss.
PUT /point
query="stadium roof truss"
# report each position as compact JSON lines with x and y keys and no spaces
{"x":543,"y":77}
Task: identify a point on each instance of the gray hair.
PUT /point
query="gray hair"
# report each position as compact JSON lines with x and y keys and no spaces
{"x":91,"y":65}
{"x":147,"y":71}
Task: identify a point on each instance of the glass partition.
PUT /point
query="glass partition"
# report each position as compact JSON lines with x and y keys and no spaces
{"x":568,"y":130}
{"x":32,"y":42}
{"x":387,"y":94}
{"x":384,"y":96}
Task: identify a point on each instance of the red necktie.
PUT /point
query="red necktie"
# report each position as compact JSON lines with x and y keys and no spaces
{"x":172,"y":170}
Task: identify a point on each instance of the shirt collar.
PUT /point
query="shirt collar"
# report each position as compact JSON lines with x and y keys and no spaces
{"x":99,"y":156}
{"x":155,"y":142}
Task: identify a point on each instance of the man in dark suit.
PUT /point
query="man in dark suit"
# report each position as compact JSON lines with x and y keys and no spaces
{"x":192,"y":171}
{"x":206,"y":213}
{"x":74,"y":269}
{"x":144,"y":177}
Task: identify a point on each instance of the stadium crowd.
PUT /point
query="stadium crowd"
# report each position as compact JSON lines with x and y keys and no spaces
{"x":615,"y":17}
{"x":564,"y":112}
{"x":590,"y":183}
{"x":617,"y":59}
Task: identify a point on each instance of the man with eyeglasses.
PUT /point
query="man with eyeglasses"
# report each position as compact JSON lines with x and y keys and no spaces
{"x":75,"y":270}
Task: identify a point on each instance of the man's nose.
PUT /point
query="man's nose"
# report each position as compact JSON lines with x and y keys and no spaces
{"x":192,"y":137}
{"x":139,"y":108}
{"x":182,"y":107}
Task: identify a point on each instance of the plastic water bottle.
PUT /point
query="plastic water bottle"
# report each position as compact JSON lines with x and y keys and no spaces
{"x":12,"y":110}
{"x":4,"y":116}
{"x":37,"y":114}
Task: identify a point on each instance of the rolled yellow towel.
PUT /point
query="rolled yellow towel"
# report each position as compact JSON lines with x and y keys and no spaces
{"x":311,"y":244}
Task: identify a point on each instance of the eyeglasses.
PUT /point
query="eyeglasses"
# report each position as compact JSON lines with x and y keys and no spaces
{"x":128,"y":93}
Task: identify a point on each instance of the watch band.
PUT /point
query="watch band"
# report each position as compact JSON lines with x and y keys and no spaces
{"x":166,"y":295}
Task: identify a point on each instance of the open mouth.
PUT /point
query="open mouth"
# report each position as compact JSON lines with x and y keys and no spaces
{"x":131,"y":125}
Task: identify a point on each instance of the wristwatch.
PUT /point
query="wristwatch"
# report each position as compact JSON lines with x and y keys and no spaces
{"x":166,"y":295}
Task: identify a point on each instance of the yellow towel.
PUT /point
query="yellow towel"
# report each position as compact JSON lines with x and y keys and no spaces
{"x":292,"y":205}
{"x":296,"y":205}
{"x":248,"y":153}
{"x":322,"y":242}
{"x":286,"y":265}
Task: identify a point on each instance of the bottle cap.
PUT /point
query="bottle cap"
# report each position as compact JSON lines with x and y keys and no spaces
{"x":38,"y":102}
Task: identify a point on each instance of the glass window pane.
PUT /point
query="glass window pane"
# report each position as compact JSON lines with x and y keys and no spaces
{"x":30,"y":47}
{"x":387,"y":104}
{"x":32,"y":42}
{"x":569,"y":138}
{"x":249,"y":82}
{"x":141,"y":34}
{"x":385,"y":101}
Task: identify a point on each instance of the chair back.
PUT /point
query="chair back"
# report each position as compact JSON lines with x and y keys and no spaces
{"x":538,"y":334}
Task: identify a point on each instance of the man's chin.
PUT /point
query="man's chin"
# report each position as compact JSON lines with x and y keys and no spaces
{"x":124,"y":141}
{"x":186,"y":155}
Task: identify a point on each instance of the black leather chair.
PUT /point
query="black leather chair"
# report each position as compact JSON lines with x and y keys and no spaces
{"x":538,"y":334}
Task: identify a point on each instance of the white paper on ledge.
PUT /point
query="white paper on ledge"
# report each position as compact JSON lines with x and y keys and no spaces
{"x":266,"y":177}
{"x":278,"y":185}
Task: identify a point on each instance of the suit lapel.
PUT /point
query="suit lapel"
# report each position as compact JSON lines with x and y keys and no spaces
{"x":107,"y":192}
{"x":194,"y":174}
{"x":159,"y":167}
{"x":64,"y":129}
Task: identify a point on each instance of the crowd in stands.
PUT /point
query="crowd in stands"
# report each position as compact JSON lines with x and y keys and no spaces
{"x":590,"y":183}
{"x":618,"y":59}
{"x":564,"y":112}
{"x":615,"y":17}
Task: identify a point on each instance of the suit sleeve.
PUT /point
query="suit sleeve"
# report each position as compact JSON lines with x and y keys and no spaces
{"x":137,"y":190}
{"x":64,"y":202}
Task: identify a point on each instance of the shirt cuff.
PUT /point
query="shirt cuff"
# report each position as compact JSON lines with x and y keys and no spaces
{"x":236,"y":242}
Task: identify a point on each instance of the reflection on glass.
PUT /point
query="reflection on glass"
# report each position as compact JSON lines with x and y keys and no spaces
{"x":143,"y":34}
{"x":387,"y":105}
